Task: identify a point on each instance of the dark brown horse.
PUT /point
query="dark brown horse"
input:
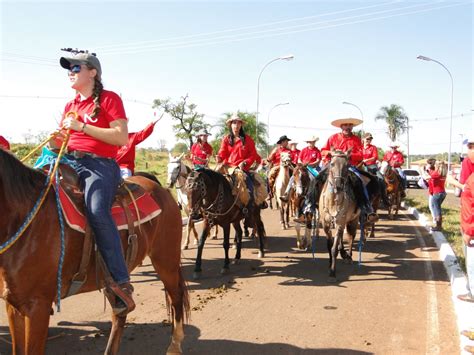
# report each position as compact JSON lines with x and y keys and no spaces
{"x":210,"y":194}
{"x":28,"y":270}
{"x":392,"y":180}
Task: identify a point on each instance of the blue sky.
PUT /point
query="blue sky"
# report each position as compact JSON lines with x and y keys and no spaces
{"x":357,"y":51}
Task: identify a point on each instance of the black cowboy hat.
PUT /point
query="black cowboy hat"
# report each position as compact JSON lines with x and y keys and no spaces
{"x":283,"y":138}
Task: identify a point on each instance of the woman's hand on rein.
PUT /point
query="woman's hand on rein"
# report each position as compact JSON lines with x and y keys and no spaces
{"x":72,"y":123}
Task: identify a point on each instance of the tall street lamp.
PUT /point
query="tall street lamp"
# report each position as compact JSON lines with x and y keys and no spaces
{"x":268,"y":120}
{"x":287,"y":58}
{"x":452,"y":94}
{"x":361,"y":114}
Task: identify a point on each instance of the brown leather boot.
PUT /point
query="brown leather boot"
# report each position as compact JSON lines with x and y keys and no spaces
{"x":120,"y":298}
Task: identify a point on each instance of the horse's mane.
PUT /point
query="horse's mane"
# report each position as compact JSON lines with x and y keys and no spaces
{"x":215,"y":178}
{"x":19,"y":182}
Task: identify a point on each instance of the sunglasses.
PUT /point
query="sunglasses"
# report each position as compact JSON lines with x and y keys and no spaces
{"x":75,"y":69}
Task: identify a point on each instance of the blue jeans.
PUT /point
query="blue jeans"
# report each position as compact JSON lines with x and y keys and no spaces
{"x":100,"y":178}
{"x":435,"y":202}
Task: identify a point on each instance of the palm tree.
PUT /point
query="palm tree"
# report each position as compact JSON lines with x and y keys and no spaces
{"x":396,"y":120}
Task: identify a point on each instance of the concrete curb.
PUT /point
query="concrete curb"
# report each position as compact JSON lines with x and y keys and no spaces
{"x":464,"y":311}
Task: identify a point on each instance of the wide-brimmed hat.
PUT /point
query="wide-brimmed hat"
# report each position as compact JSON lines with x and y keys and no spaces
{"x":339,"y":122}
{"x":293,"y":143}
{"x":394,"y":144}
{"x":82,"y":58}
{"x":430,"y":160}
{"x":234,"y":117}
{"x":367,"y":135}
{"x":311,"y":139}
{"x":283,"y":138}
{"x":202,"y":132}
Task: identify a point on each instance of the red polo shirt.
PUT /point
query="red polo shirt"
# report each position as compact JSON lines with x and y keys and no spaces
{"x":236,"y":154}
{"x":467,"y":168}
{"x":126,"y":154}
{"x":342,"y":143}
{"x":275,"y":155}
{"x":203,"y":151}
{"x":310,"y":155}
{"x":467,"y":206}
{"x":394,"y":159}
{"x":370,"y":152}
{"x":436,"y":183}
{"x":4,"y":143}
{"x":111,"y":109}
{"x":294,"y":154}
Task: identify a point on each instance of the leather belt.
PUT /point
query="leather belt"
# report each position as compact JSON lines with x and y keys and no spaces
{"x":80,"y":154}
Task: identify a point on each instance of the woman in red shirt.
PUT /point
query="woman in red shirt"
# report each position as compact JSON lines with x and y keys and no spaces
{"x":98,"y":125}
{"x":201,"y":151}
{"x":436,"y":181}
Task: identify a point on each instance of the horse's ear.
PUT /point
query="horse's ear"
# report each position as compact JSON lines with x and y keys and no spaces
{"x":181,"y":156}
{"x":170,"y":156}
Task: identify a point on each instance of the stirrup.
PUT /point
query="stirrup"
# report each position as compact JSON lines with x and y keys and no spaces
{"x":120,"y":298}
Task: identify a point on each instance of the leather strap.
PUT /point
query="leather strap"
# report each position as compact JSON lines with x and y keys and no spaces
{"x":132,"y":236}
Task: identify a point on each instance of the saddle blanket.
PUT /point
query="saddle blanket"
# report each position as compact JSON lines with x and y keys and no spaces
{"x":147,"y":210}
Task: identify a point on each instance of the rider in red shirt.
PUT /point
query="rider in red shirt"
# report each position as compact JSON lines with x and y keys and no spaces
{"x":343,"y":141}
{"x":294,"y":153}
{"x":274,"y":160}
{"x":4,"y":143}
{"x":201,"y":151}
{"x":395,"y":159}
{"x":126,"y":154}
{"x":370,"y":157}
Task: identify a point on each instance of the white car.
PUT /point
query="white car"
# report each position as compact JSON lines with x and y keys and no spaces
{"x":412,"y":177}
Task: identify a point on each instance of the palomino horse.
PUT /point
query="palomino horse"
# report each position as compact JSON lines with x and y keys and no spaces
{"x":301,"y":185}
{"x":28,"y":269}
{"x":392,"y":181}
{"x":338,"y":208}
{"x":281,"y":184}
{"x":210,"y":193}
{"x":177,"y":174}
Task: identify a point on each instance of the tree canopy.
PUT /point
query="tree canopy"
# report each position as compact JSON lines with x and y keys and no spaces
{"x":396,"y":120}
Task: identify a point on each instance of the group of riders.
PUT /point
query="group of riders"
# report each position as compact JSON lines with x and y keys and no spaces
{"x":238,"y":150}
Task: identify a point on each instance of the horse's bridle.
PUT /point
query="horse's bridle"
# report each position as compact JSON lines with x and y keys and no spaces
{"x":174,"y":179}
{"x":335,"y":178}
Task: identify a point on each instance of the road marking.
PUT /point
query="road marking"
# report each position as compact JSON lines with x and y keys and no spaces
{"x":432,"y":321}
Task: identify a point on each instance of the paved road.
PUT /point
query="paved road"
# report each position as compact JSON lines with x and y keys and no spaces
{"x":397,"y":302}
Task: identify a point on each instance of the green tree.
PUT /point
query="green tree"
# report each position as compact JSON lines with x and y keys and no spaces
{"x":180,"y":148}
{"x":249,"y":128}
{"x":189,"y":121}
{"x":396,"y":120}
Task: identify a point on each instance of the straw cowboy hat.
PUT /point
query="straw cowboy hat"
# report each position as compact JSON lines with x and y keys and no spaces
{"x":283,"y":138}
{"x":394,"y":144}
{"x":312,"y":139}
{"x":367,"y":135}
{"x":234,"y":117}
{"x":294,"y":143}
{"x":202,"y":132}
{"x":339,"y":122}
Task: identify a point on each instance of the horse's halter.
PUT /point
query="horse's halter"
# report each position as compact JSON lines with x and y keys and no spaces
{"x":176,"y":173}
{"x":338,"y":182}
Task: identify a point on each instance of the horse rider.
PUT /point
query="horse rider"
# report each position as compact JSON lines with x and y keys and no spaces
{"x":201,"y":151}
{"x":395,"y":159}
{"x":310,"y":157}
{"x":370,"y":157}
{"x":4,"y":143}
{"x":238,"y":150}
{"x":294,"y":153}
{"x":274,"y":159}
{"x":343,"y":142}
{"x":126,"y":154}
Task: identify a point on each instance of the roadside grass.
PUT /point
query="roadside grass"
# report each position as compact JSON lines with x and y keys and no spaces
{"x":451,"y":225}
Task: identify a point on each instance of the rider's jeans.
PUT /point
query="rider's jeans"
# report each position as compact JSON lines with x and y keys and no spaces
{"x":100,"y":178}
{"x":469,"y":254}
{"x":435,"y":202}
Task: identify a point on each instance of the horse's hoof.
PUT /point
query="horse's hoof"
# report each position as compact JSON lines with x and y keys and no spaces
{"x":214,"y":237}
{"x":184,"y":247}
{"x":347,"y":260}
{"x":236,"y":261}
{"x":260,"y":254}
{"x":224,"y":271}
{"x":197,"y":275}
{"x":332,"y":279}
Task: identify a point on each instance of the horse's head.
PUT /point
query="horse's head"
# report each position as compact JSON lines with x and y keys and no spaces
{"x":301,"y":179}
{"x":175,"y":168}
{"x":384,"y":167}
{"x":285,"y":159}
{"x":338,"y":170}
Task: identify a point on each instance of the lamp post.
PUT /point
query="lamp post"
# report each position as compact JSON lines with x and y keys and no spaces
{"x":268,"y":120}
{"x":361,"y":114}
{"x":287,"y":58}
{"x":421,"y":57}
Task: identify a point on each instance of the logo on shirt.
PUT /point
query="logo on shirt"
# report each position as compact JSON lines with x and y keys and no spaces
{"x":88,"y":118}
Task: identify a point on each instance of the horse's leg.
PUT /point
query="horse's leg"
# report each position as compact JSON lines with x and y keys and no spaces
{"x":202,"y":241}
{"x":189,"y":225}
{"x":196,"y":237}
{"x":307,"y":230}
{"x":226,"y":244}
{"x":238,"y":240}
{"x":261,"y":234}
{"x":334,"y":250}
{"x":36,"y":326}
{"x":16,"y":324}
{"x":282,"y":216}
{"x":214,"y":236}
{"x":287,"y":211}
{"x":351,"y":231}
{"x":118,"y":324}
{"x":298,"y":235}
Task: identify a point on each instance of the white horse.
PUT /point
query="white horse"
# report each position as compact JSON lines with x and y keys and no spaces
{"x":177,"y":175}
{"x":281,"y":183}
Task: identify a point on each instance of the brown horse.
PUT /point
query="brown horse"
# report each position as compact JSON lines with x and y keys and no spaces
{"x":338,"y":208}
{"x":210,"y":193}
{"x":392,"y":180}
{"x":28,"y":270}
